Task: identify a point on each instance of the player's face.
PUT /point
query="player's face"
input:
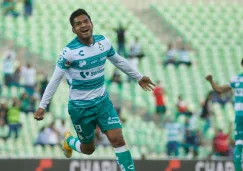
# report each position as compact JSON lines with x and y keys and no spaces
{"x":83,"y":27}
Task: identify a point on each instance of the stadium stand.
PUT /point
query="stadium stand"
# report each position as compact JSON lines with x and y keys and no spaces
{"x":47,"y":40}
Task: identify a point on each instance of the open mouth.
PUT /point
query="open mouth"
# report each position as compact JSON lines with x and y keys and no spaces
{"x":84,"y":31}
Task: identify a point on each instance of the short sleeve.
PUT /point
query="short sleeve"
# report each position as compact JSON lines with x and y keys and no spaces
{"x":64,"y":60}
{"x":233,"y":82}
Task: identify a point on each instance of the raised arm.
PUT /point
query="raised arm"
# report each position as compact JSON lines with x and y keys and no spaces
{"x":220,"y":89}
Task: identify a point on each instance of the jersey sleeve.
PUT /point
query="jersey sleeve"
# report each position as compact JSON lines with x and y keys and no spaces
{"x":233,"y":82}
{"x":122,"y":64}
{"x":64,"y":60}
{"x":51,"y":87}
{"x":111,"y":51}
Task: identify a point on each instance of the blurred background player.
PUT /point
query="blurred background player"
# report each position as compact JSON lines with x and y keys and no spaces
{"x":237,"y":85}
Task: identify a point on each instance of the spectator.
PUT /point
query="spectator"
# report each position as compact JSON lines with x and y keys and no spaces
{"x":221,"y":143}
{"x":179,"y":43}
{"x":121,"y":41}
{"x":159,"y":101}
{"x":16,"y":77}
{"x":192,"y":141}
{"x":174,"y":130}
{"x":116,"y":78}
{"x":222,"y":98}
{"x":133,"y":60}
{"x":29,"y":77}
{"x":61,"y":129}
{"x":41,"y":138}
{"x":182,"y":108}
{"x":206,"y":112}
{"x":32,"y":104}
{"x":28,"y":7}
{"x":3,"y":114}
{"x":9,"y":8}
{"x":24,"y":107}
{"x":171,"y":54}
{"x":43,"y":85}
{"x":136,"y":50}
{"x":184,"y":57}
{"x":13,"y":118}
{"x":8,"y":65}
{"x":52,"y":135}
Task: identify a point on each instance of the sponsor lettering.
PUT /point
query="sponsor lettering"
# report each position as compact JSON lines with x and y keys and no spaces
{"x":93,"y":166}
{"x":113,"y":120}
{"x":214,"y":166}
{"x":97,"y":72}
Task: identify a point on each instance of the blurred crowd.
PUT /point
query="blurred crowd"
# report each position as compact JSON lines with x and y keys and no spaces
{"x":30,"y":85}
{"x":9,"y":7}
{"x":177,"y":54}
{"x":184,"y":135}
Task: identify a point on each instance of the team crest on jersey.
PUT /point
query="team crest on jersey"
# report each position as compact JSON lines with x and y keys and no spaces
{"x":82,"y":63}
{"x":67,"y":63}
{"x":101,"y":46}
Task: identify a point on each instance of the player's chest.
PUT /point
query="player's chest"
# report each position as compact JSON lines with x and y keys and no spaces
{"x":89,"y":57}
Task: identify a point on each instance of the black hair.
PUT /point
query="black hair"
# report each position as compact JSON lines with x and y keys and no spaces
{"x":242,"y":61}
{"x":77,"y":13}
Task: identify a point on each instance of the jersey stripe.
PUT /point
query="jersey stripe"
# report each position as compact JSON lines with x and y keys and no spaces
{"x":237,"y":85}
{"x":88,"y":84}
{"x":91,"y":62}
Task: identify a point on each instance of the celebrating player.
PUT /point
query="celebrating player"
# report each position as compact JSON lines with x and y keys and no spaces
{"x":82,"y":61}
{"x":236,"y":84}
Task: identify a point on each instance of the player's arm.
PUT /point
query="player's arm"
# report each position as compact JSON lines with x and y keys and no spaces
{"x":61,"y":67}
{"x":220,"y":89}
{"x":122,"y":64}
{"x":49,"y":91}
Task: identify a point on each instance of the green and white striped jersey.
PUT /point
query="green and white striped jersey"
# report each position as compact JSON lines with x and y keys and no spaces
{"x":236,"y":83}
{"x":83,"y":66}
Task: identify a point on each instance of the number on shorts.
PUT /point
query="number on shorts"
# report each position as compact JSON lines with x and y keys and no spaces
{"x":78,"y":128}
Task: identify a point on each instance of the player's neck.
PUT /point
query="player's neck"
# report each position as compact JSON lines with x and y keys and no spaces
{"x":88,"y":41}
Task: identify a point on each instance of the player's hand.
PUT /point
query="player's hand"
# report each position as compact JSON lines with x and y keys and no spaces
{"x":146,"y":83}
{"x":209,"y":78}
{"x":39,"y":114}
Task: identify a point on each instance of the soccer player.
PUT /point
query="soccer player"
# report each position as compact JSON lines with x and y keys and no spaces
{"x":82,"y":61}
{"x":236,"y":83}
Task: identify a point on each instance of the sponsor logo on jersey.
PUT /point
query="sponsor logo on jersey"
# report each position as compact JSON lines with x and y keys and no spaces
{"x":237,"y":84}
{"x":113,"y":120}
{"x":81,"y":53}
{"x":84,"y":74}
{"x":93,"y":73}
{"x":82,"y":63}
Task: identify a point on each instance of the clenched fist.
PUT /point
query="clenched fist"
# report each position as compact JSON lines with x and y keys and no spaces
{"x":39,"y":114}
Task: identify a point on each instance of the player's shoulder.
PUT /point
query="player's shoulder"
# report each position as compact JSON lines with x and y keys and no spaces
{"x":74,"y":44}
{"x":98,"y":38}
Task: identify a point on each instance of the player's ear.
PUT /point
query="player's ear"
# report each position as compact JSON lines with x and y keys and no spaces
{"x":73,"y":30}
